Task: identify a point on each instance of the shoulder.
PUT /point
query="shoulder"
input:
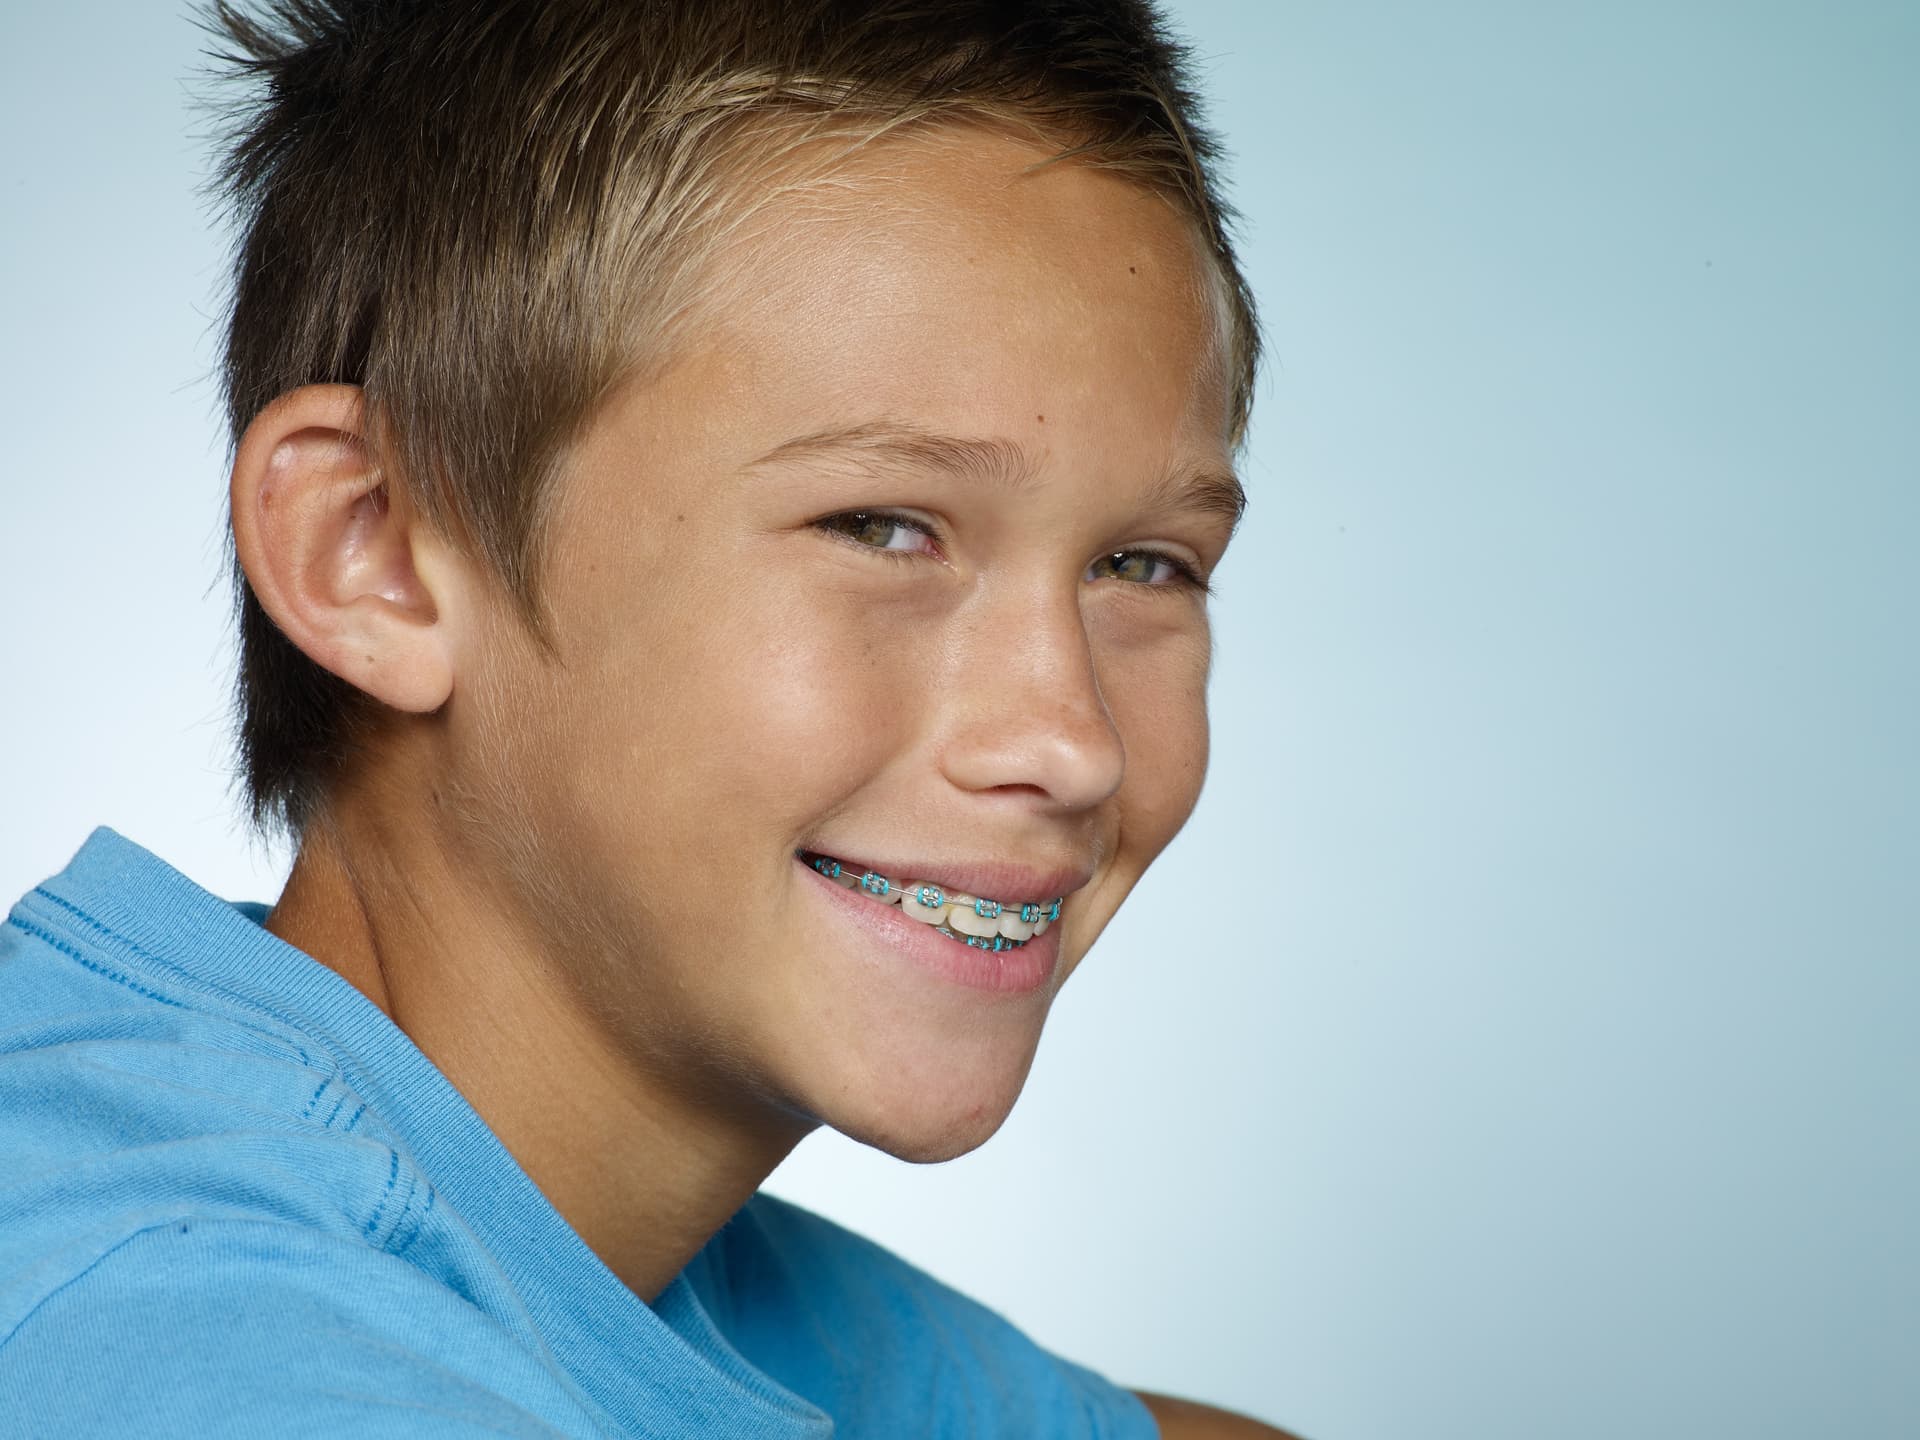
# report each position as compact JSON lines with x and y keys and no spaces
{"x":203,"y":1223}
{"x":209,"y":1327}
{"x":128,"y":1112}
{"x":876,"y":1340}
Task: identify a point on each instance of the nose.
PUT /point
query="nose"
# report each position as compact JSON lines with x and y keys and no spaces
{"x":1024,"y":710}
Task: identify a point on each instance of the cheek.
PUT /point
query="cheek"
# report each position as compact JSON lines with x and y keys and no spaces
{"x":1157,"y":695}
{"x":741,"y":714}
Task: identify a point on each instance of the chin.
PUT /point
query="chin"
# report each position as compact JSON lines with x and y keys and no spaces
{"x":927,"y":1140}
{"x":925,"y":1112}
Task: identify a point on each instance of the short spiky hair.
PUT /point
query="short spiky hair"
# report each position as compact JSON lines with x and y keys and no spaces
{"x":486,"y":213}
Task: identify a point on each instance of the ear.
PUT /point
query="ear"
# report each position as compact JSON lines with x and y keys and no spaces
{"x":335,"y":556}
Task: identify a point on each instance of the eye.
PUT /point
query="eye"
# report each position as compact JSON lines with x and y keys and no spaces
{"x":883,"y":530}
{"x":879,"y":530}
{"x":1152,"y":569}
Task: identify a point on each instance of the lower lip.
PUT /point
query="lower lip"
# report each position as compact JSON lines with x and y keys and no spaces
{"x":1015,"y":972}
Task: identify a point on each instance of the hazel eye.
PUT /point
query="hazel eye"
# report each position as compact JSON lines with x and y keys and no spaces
{"x":877,"y":530}
{"x":1149,"y":568}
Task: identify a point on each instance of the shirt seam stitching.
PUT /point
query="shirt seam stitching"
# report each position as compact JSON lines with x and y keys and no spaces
{"x":78,"y":1276}
{"x":72,"y":952}
{"x":105,"y":930}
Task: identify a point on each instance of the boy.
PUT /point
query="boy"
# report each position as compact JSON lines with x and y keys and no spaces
{"x":721,"y":508}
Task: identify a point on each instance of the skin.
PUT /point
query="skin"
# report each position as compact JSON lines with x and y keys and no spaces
{"x":522,"y":871}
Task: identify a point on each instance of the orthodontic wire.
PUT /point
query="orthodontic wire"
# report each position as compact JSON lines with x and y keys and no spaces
{"x":932,"y":896}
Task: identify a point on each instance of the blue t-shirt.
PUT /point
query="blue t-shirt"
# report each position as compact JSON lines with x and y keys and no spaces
{"x":236,"y":1199}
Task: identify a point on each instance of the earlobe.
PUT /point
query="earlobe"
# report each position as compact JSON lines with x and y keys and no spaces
{"x":331,"y":549}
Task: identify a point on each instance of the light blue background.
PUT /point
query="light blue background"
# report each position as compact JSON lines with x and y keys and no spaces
{"x":1521,"y":1039}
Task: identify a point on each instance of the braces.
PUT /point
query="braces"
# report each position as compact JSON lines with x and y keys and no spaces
{"x":933,"y":897}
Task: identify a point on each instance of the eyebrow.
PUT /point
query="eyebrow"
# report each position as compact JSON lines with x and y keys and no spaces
{"x":1003,"y":465}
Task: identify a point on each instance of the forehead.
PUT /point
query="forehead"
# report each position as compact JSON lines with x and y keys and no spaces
{"x":947,"y":267}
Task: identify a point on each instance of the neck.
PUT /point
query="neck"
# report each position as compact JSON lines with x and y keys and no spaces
{"x":644,"y":1165}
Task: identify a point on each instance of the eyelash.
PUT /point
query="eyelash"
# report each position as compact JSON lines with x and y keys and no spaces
{"x":1189,"y":578}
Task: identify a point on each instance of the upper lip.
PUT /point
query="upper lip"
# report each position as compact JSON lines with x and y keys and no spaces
{"x":984,"y":879}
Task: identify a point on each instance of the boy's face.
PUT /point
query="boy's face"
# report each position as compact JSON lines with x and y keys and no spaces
{"x":737,"y":683}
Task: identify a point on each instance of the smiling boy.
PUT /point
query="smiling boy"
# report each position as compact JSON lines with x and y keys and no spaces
{"x":722,"y":501}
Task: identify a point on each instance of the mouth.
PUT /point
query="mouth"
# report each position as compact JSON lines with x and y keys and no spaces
{"x":978,"y":921}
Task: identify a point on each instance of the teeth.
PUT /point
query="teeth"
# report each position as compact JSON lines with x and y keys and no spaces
{"x":834,"y":871}
{"x":955,"y":914}
{"x":1013,"y":927}
{"x":962,"y":917}
{"x":910,"y":903}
